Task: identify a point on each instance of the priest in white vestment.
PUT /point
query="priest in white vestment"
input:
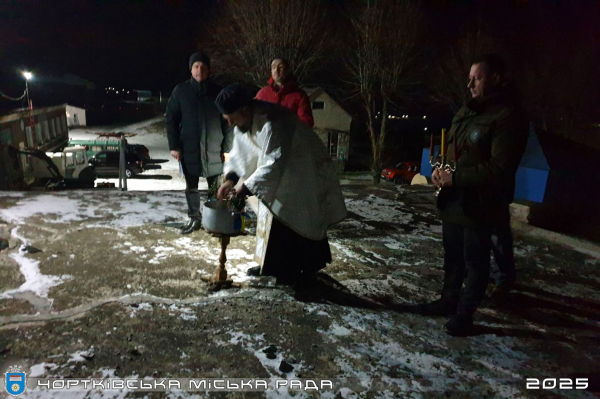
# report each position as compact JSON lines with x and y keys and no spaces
{"x":286,"y":166}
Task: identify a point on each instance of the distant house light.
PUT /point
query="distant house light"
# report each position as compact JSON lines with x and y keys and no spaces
{"x":425,"y":128}
{"x":424,"y":116}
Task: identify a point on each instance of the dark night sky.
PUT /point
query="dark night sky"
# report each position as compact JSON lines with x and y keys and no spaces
{"x":130,"y":44}
{"x":143,"y":44}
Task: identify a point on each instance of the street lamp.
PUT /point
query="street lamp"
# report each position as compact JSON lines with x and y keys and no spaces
{"x":28,"y":75}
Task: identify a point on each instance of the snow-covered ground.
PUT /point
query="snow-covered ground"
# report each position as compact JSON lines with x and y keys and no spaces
{"x":100,"y":283}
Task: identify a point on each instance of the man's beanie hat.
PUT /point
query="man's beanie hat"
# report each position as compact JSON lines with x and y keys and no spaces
{"x":199,"y":57}
{"x":232,"y":98}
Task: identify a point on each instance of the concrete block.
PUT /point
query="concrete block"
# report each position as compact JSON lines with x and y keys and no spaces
{"x":520,"y":212}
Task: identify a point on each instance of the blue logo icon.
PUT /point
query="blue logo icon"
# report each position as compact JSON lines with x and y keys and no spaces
{"x":14,"y":381}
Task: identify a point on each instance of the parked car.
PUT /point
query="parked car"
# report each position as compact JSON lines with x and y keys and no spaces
{"x":107,"y":164}
{"x":95,"y":146}
{"x":402,"y":172}
{"x":139,"y":149}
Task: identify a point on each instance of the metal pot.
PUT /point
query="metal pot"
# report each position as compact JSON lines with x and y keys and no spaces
{"x":217,"y":218}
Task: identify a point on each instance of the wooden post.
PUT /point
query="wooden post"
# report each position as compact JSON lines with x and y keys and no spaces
{"x":222,"y":272}
{"x":219,"y":279}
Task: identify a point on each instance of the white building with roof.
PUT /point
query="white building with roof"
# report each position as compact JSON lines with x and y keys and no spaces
{"x":332,"y":124}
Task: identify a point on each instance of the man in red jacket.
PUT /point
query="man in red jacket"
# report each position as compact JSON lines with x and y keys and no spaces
{"x":283,"y":90}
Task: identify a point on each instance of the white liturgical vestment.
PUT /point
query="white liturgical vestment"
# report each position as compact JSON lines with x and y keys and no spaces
{"x":285,"y":164}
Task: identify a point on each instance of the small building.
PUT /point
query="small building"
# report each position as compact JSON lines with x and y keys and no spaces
{"x":42,"y":129}
{"x":75,"y":116}
{"x":332,"y":125}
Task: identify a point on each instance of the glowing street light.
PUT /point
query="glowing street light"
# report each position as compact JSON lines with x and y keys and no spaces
{"x":28,"y":75}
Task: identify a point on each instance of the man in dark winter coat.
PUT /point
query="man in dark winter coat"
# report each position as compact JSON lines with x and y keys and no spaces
{"x":283,"y":90}
{"x":197,"y":133}
{"x":488,"y":136}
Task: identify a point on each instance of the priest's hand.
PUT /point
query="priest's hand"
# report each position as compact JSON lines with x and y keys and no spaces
{"x":242,"y":192}
{"x":225,"y":190}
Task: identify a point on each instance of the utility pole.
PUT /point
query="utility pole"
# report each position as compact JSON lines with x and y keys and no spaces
{"x":27,"y":75}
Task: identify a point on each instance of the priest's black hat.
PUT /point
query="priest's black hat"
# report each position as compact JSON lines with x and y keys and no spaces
{"x":232,"y":98}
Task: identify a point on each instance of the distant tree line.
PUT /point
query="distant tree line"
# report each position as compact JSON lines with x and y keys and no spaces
{"x":374,"y":53}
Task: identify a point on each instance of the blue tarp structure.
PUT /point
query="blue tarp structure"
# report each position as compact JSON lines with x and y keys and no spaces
{"x":553,"y":170}
{"x":425,"y":166}
{"x":533,"y":172}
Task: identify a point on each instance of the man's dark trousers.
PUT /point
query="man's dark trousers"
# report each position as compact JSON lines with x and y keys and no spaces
{"x":465,"y":249}
{"x":502,"y":246}
{"x":192,"y":195}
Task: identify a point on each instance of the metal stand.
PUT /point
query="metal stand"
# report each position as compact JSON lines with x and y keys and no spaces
{"x":220,"y":280}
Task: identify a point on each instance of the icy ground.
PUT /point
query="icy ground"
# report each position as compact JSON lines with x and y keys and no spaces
{"x":99,"y":283}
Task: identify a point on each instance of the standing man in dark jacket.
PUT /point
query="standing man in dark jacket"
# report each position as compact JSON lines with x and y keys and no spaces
{"x":197,"y":133}
{"x":488,"y":136}
{"x":283,"y":90}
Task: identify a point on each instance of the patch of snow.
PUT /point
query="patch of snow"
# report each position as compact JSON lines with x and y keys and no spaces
{"x":11,"y":194}
{"x":80,"y":356}
{"x":145,"y":306}
{"x":338,"y":330}
{"x":64,"y":208}
{"x":35,"y":281}
{"x":378,"y":209}
{"x":349,"y":253}
{"x":39,"y":370}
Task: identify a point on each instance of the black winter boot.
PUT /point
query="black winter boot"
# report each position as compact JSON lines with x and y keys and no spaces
{"x":191,"y":226}
{"x":459,"y":325}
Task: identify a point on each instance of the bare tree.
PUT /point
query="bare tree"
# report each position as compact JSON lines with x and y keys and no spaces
{"x":383,"y":62}
{"x":449,"y":80}
{"x":250,"y":33}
